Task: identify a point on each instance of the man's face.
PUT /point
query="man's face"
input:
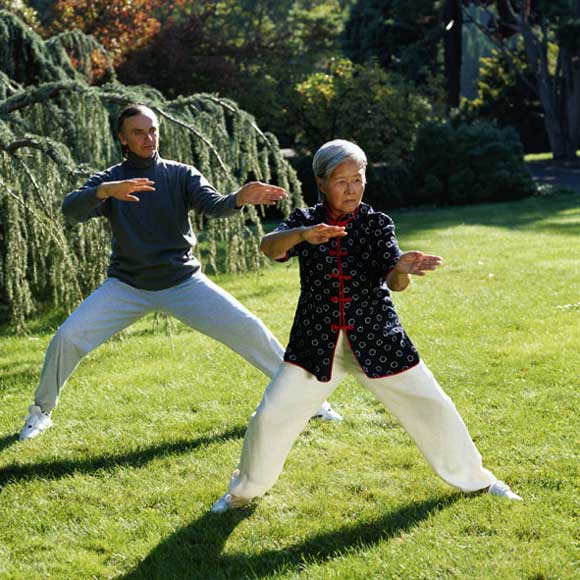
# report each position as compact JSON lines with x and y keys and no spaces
{"x":140,"y":134}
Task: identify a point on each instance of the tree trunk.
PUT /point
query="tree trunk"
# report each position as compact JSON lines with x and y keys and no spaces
{"x":561,"y":142}
{"x":570,"y":95}
{"x":554,"y":97}
{"x":453,"y":40}
{"x":573,"y":74}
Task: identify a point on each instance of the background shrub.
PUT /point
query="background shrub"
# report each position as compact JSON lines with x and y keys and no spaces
{"x":469,"y":164}
{"x":450,"y":166}
{"x":364,"y":104}
{"x":390,"y":185}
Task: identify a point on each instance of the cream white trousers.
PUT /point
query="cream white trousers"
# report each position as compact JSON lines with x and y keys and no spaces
{"x":197,"y":302}
{"x":414,"y":397}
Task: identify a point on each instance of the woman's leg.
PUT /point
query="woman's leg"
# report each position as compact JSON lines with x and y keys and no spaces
{"x":289,"y":401}
{"x":431,"y":419}
{"x":287,"y":404}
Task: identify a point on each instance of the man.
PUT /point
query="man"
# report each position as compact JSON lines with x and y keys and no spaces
{"x":152,"y":268}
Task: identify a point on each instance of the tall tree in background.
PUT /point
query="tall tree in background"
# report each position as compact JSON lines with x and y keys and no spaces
{"x":403,"y":36}
{"x":453,"y":19}
{"x":253,"y":51}
{"x":541,"y":25}
{"x":119,"y":25}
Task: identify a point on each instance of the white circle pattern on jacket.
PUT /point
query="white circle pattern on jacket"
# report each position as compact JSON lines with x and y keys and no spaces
{"x":343,"y":287}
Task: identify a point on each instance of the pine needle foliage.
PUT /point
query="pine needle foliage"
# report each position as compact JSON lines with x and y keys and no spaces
{"x":57,"y":128}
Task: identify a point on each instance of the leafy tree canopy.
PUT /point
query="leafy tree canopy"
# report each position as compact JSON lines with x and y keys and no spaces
{"x":543,"y":28}
{"x":376,"y":109}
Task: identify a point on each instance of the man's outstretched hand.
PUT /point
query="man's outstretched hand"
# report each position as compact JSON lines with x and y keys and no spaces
{"x":257,"y":193}
{"x":124,"y":190}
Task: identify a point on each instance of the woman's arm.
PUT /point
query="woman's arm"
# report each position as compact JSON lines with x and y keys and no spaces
{"x":411,"y":263}
{"x":276,"y":244}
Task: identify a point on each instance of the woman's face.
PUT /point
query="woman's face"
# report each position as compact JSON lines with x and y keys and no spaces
{"x":344,"y":189}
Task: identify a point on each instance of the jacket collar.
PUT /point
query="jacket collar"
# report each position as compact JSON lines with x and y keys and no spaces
{"x":342,"y":220}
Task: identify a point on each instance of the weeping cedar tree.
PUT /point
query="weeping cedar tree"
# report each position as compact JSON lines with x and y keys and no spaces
{"x":56,"y":129}
{"x":539,"y":23}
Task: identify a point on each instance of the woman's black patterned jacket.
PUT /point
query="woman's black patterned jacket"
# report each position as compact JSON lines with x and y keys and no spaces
{"x":342,"y":286}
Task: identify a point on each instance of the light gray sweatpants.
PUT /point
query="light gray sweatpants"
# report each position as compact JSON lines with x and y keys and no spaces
{"x":413,"y":396}
{"x":197,"y":302}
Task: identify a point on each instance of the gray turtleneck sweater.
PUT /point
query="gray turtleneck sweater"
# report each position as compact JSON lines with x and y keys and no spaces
{"x":152,"y":239}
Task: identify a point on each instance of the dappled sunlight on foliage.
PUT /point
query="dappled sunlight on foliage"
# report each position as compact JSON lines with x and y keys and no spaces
{"x":365,"y":104}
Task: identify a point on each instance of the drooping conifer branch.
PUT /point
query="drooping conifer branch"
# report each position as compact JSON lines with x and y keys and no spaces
{"x":66,"y":126}
{"x":223,"y":103}
{"x":27,"y":97}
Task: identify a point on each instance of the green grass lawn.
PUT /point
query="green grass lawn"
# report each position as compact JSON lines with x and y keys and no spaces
{"x":149,"y":430}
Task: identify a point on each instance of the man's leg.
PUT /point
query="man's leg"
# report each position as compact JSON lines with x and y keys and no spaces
{"x":431,"y":419}
{"x":209,"y":309}
{"x":110,"y":308}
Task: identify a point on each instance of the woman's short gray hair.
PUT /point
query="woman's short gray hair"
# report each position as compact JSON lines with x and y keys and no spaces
{"x":333,"y":153}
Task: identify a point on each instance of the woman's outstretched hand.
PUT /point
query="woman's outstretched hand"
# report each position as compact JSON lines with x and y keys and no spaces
{"x":321,"y":233}
{"x":417,"y":263}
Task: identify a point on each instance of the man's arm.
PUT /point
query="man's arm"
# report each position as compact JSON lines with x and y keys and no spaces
{"x":124,"y":190}
{"x":88,"y":201}
{"x":258,"y":193}
{"x":204,"y":198}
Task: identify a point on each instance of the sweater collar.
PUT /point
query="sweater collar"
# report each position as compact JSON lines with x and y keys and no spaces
{"x":137,"y":162}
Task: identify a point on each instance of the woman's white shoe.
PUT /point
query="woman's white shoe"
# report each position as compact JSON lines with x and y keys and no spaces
{"x":502,"y":489}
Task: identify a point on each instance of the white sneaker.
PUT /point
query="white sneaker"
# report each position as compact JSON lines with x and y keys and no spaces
{"x":228,"y":502}
{"x":327,"y":413}
{"x":502,"y":489}
{"x":35,"y":424}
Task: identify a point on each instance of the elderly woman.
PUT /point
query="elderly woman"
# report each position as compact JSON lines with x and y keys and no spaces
{"x":346,"y":323}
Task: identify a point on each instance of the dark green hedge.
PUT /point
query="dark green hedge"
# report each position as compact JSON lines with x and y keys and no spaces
{"x":461,"y":165}
{"x":469,"y":164}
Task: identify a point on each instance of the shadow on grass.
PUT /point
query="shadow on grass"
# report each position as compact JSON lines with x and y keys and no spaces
{"x":195,"y":552}
{"x":137,"y":458}
{"x":7,"y":441}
